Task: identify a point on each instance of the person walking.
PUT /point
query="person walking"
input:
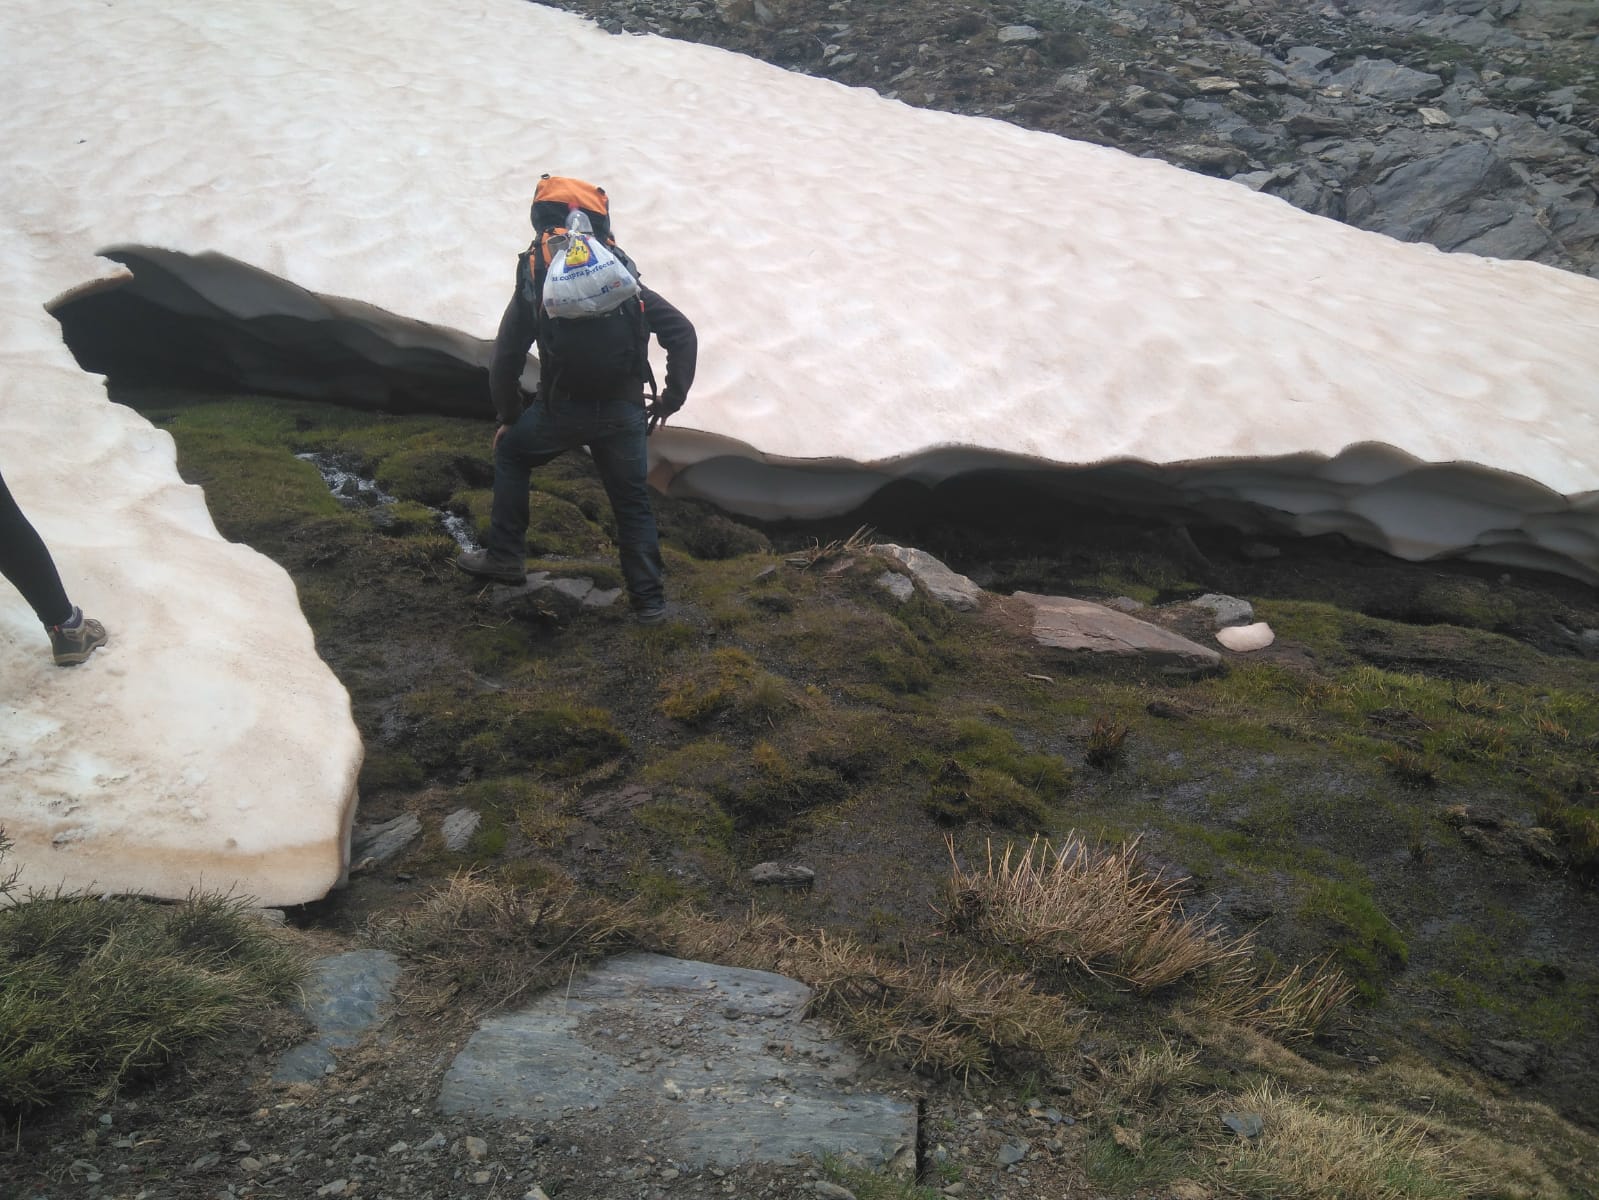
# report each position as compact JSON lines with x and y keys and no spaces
{"x":591,"y":392}
{"x":25,"y":561}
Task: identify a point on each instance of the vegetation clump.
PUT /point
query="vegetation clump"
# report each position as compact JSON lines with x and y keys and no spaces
{"x":98,"y":991}
{"x":500,"y":732}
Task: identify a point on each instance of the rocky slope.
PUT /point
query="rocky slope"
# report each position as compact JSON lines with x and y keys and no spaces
{"x":1469,"y":124}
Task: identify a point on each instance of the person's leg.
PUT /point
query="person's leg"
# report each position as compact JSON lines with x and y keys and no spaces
{"x":538,"y":436}
{"x":26,"y":562}
{"x":620,"y":455}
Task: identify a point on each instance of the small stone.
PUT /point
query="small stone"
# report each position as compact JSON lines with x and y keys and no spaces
{"x":1242,"y":639}
{"x":205,"y":1162}
{"x":782,"y":874}
{"x":482,"y":1176}
{"x":535,"y":1193}
{"x":958,"y":1188}
{"x":831,"y":1190}
{"x":1019,"y":33}
{"x":1011,"y":1153}
{"x":476,"y":1148}
{"x":399,"y":1148}
{"x":459,"y":827}
{"x":249,"y":1165}
{"x":1247,"y":1125}
{"x":1435,"y":117}
{"x":334,"y":1188}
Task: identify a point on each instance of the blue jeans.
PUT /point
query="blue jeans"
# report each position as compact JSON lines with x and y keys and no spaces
{"x":615,"y":432}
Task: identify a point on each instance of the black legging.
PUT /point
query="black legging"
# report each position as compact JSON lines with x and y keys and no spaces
{"x":26,"y":562}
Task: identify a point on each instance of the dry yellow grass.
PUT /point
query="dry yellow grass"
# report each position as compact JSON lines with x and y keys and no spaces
{"x":1313,"y":1152}
{"x":1092,"y":909}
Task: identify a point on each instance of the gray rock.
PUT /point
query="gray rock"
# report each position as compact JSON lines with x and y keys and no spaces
{"x":1522,"y":236}
{"x":1226,"y":610}
{"x":1018,"y":33}
{"x":1308,"y":56}
{"x":1588,"y":643}
{"x":754,"y":1105}
{"x":1380,"y":79}
{"x":383,"y":842}
{"x":346,"y":995}
{"x":1246,"y":1125}
{"x":1079,"y":626}
{"x":1413,"y":199}
{"x":942,"y":584}
{"x":781,"y":874}
{"x":305,"y":1063}
{"x":459,"y":827}
{"x":896,"y":584}
{"x":1011,"y":1153}
{"x":602,"y":597}
{"x":831,"y":1191}
{"x":573,"y":589}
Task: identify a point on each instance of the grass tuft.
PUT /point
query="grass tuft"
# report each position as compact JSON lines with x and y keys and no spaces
{"x":95,"y":993}
{"x":1075,"y":907}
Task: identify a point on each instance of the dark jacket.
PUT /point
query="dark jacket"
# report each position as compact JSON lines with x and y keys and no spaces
{"x":519,"y":330}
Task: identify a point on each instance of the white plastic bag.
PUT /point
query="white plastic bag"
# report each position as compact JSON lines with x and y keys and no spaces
{"x":585,"y":279}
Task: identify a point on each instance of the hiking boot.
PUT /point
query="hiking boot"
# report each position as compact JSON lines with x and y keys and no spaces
{"x":72,"y":646}
{"x":485,"y":566}
{"x":653,"y":615}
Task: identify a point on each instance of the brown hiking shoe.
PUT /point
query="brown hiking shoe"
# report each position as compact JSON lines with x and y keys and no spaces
{"x":73,"y":646}
{"x":500,"y":570}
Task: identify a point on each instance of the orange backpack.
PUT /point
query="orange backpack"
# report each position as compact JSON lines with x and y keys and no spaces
{"x":582,"y":354}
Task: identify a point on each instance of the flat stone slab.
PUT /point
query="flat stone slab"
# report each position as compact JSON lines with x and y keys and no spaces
{"x":713,"y":1065}
{"x":345,"y":996}
{"x":1064,"y":623}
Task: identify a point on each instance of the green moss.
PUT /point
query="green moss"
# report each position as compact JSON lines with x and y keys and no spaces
{"x":983,"y":794}
{"x":977,"y":744}
{"x":687,"y":824}
{"x":901,"y":669}
{"x":254,"y":492}
{"x":426,"y":475}
{"x":1370,"y":946}
{"x":388,"y":771}
{"x":707,"y":533}
{"x":494,"y":649}
{"x":659,"y":890}
{"x":476,"y":505}
{"x":773,"y":600}
{"x":771,"y":786}
{"x":1460,"y":601}
{"x":729,"y":684}
{"x":693,"y":767}
{"x":509,"y":731}
{"x":558,"y":527}
{"x":404,"y":518}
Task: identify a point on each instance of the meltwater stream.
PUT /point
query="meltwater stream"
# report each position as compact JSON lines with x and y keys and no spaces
{"x":357,"y":491}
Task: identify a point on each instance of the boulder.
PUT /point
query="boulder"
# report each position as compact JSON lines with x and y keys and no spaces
{"x":942,"y":584}
{"x":1380,"y":79}
{"x":1083,"y":627}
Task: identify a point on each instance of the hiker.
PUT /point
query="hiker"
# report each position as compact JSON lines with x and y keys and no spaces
{"x":26,"y":562}
{"x":593,"y":371}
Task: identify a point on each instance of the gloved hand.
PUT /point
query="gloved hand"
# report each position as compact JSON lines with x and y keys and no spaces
{"x":659,"y":409}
